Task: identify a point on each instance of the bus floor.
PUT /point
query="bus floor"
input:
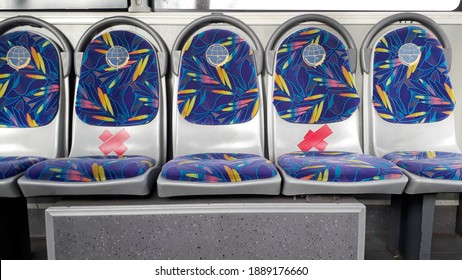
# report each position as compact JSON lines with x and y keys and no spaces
{"x":446,"y":246}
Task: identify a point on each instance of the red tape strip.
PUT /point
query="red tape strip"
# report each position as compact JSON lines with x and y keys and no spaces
{"x":315,"y":139}
{"x":114,"y":143}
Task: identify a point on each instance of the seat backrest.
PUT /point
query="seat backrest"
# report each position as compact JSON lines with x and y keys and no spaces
{"x":217,"y":89}
{"x":120,"y":90}
{"x":410,"y":99}
{"x":313,"y":101}
{"x":33,"y":88}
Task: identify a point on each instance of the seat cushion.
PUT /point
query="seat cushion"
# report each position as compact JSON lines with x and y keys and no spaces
{"x":90,"y":169}
{"x":337,"y":167}
{"x":219,"y":167}
{"x":435,"y":165}
{"x":12,"y":166}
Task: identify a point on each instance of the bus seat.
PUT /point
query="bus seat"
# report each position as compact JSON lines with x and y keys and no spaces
{"x":118,"y":141}
{"x":313,"y":115}
{"x":409,"y":98}
{"x":34,"y":73}
{"x":217,"y":114}
{"x":409,"y":120}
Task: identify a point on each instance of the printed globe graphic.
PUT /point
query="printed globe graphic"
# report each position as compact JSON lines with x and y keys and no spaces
{"x":409,"y":54}
{"x":314,"y":55}
{"x":216,"y":55}
{"x":117,"y":57}
{"x":18,"y":57}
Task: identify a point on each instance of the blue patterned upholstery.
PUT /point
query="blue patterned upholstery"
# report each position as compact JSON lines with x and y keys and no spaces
{"x":337,"y":167}
{"x":29,"y":80}
{"x":111,"y":96}
{"x":90,"y":169}
{"x":218,"y":167}
{"x":311,"y":93}
{"x":12,"y":166}
{"x":435,"y":165}
{"x":214,"y":93}
{"x":420,"y":92}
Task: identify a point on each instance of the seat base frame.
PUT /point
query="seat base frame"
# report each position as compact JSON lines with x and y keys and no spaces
{"x":294,"y":186}
{"x":423,"y":185}
{"x":459,"y":216}
{"x":417,"y":226}
{"x":9,"y":187}
{"x":139,"y":185}
{"x":169,"y":188}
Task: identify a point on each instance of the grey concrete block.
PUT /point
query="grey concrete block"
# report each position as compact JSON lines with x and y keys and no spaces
{"x":301,"y":231}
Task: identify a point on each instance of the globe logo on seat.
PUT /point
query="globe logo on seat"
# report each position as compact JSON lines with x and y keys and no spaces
{"x":18,"y":57}
{"x":216,"y":55}
{"x":314,"y":55}
{"x":117,"y":57}
{"x":409,"y":54}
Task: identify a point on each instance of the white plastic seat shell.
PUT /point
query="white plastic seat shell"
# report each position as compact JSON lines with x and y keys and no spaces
{"x":382,"y":137}
{"x":285,"y":136}
{"x":145,"y":139}
{"x":48,"y":140}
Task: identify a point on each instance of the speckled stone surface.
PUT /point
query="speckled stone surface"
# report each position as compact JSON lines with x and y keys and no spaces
{"x":208,"y":236}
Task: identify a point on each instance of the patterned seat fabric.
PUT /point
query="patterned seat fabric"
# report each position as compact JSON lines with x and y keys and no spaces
{"x":12,"y":166}
{"x":119,"y":81}
{"x":313,"y":79}
{"x":29,"y":80}
{"x":411,"y":82}
{"x":337,"y":167}
{"x":218,"y":167}
{"x":90,"y":169}
{"x":219,"y":84}
{"x":435,"y":165}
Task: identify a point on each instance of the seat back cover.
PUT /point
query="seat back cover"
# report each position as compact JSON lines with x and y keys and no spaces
{"x":32,"y":96}
{"x":118,"y":97}
{"x":412,"y":99}
{"x":314,"y":101}
{"x":217,"y":95}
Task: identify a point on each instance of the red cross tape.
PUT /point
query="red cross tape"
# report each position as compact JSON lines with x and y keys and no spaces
{"x":114,"y":143}
{"x":315,"y":139}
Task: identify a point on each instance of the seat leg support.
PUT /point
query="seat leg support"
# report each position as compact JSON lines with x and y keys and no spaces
{"x":418,"y":223}
{"x":14,"y":229}
{"x":459,"y":216}
{"x":395,"y":224}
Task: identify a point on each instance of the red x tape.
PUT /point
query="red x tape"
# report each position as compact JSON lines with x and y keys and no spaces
{"x":315,"y":139}
{"x":114,"y":143}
